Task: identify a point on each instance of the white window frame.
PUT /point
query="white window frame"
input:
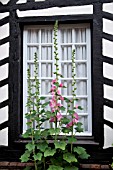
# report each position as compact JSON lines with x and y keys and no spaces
{"x":88,"y":61}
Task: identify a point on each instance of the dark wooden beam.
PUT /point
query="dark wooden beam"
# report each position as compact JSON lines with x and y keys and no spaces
{"x":31,"y":5}
{"x":107,"y":15}
{"x":108,"y":103}
{"x":108,"y":36}
{"x":108,"y":123}
{"x":4,"y":61}
{"x":97,"y":74}
{"x":108,"y":82}
{"x":4,"y":21}
{"x":4,"y":103}
{"x":107,"y":60}
{"x":4,"y":82}
{"x":4,"y":40}
{"x":3,"y":125}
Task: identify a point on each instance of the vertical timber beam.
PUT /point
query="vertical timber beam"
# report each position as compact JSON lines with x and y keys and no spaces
{"x":14,"y":78}
{"x":97,"y":75}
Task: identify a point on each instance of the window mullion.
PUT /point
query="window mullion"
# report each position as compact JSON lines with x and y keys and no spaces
{"x":89,"y":79}
{"x":25,"y":78}
{"x":39,"y":61}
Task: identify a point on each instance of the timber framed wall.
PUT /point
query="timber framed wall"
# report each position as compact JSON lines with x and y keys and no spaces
{"x":93,"y":144}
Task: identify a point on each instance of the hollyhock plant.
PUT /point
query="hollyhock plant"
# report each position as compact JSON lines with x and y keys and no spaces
{"x":61,"y":154}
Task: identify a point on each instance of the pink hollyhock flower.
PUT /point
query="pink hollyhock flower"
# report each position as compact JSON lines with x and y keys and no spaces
{"x":54,"y":81}
{"x":61,"y":98}
{"x":60,"y":85}
{"x":69,"y":124}
{"x":53,"y":88}
{"x":52,"y":119}
{"x":52,"y":103}
{"x":76,"y":107}
{"x":59,"y":105}
{"x":59,"y":116}
{"x":58,"y":92}
{"x":75,"y":121}
{"x":76,"y":116}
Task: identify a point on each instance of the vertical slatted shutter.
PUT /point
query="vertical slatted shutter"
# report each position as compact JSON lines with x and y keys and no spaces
{"x":40,"y":39}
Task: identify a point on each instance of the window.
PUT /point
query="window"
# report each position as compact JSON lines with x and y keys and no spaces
{"x":39,"y":39}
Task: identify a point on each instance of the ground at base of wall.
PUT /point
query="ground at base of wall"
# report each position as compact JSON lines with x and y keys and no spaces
{"x":20,"y":166}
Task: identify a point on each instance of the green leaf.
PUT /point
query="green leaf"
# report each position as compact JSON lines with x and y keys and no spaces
{"x":79,"y":127}
{"x":61,"y":145}
{"x":62,"y":108}
{"x":71,"y":111}
{"x":66,"y":100}
{"x":71,"y":168}
{"x":112,"y":165}
{"x":45,"y":104}
{"x":45,"y":133}
{"x":65,"y":120}
{"x":81,"y":152}
{"x":49,"y":152}
{"x":53,"y":131}
{"x":66,"y":130}
{"x":30,"y":146}
{"x":42,"y":98}
{"x":42,"y":146}
{"x":56,"y":84}
{"x":38,"y":156}
{"x":25,"y":156}
{"x":53,"y":167}
{"x":37,"y":135}
{"x":72,"y":139}
{"x":69,"y":157}
{"x":80,"y":108}
{"x":27,"y":133}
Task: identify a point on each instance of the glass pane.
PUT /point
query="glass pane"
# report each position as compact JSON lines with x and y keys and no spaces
{"x":66,"y":35}
{"x":81,"y":70}
{"x":66,"y":52}
{"x":83,"y":103}
{"x":46,"y":70}
{"x":81,"y":53}
{"x":45,"y":87}
{"x":46,"y":36}
{"x":33,"y":36}
{"x":31,"y":51}
{"x":84,"y":121}
{"x":66,"y":70}
{"x":68,"y":90}
{"x":46,"y":53}
{"x":81,"y":87}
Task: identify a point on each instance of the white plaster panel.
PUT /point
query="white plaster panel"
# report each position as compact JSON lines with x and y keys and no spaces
{"x":108,"y":7}
{"x":3,"y":93}
{"x":86,"y":9}
{"x":107,"y":48}
{"x":4,"y":51}
{"x":4,"y":31}
{"x":4,"y":71}
{"x":21,"y":1}
{"x":4,"y":1}
{"x":108,"y":26}
{"x":4,"y":137}
{"x":108,"y":92}
{"x":108,"y":113}
{"x":108,"y":70}
{"x":3,"y":114}
{"x":39,"y":0}
{"x":3,"y":15}
{"x":108,"y":136}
